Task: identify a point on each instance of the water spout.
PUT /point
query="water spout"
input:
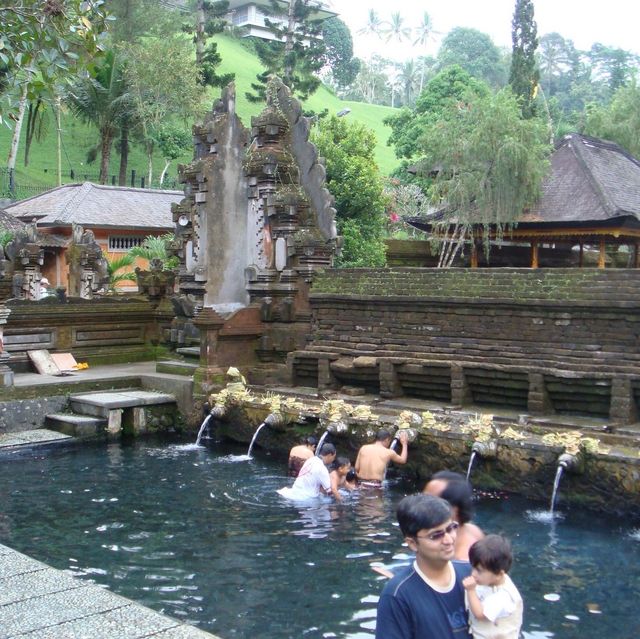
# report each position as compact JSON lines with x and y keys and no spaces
{"x":273,"y":419}
{"x":556,"y":484}
{"x":322,"y":438}
{"x":471,"y":460}
{"x":216,"y":411}
{"x":488,"y":450}
{"x":203,"y":427}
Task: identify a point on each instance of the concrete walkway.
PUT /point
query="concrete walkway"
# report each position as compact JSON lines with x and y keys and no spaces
{"x":39,"y":602}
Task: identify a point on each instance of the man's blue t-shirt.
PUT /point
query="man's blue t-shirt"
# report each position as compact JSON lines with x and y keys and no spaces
{"x":410,"y":609}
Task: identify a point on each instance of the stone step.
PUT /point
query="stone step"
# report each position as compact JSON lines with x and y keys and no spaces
{"x":189,"y":351}
{"x":176,"y":367}
{"x":100,"y":404}
{"x":76,"y":425}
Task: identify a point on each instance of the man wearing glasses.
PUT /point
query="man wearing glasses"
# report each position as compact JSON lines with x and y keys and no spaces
{"x":426,"y":599}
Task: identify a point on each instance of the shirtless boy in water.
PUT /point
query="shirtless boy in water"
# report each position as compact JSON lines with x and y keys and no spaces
{"x":373,"y":459}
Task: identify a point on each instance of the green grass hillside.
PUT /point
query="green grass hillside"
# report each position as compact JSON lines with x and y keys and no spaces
{"x":78,"y":138}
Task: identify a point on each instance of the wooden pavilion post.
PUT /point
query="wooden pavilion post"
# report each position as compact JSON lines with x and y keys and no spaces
{"x":636,"y":256}
{"x":474,"y":252}
{"x":534,"y":254}
{"x":601,"y":257}
{"x":581,"y":260}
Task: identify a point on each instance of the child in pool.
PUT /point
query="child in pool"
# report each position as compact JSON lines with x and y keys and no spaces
{"x":340,"y":475}
{"x":493,"y":600}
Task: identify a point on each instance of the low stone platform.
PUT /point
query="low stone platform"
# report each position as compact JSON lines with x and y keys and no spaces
{"x":39,"y":602}
{"x":99,"y":404}
{"x":30,"y":438}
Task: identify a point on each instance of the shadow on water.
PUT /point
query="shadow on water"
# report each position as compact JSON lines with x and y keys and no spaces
{"x":189,"y":531}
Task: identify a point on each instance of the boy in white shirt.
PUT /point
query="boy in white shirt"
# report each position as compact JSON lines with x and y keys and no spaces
{"x":493,"y":600}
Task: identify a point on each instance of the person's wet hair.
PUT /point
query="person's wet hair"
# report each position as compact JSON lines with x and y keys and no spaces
{"x":340,"y":462}
{"x":311,"y":441}
{"x":493,"y":553}
{"x":383,"y":434}
{"x":421,"y":512}
{"x":458,"y":493}
{"x":327,"y":449}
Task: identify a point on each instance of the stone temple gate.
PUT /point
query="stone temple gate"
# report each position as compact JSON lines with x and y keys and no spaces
{"x":255,"y":224}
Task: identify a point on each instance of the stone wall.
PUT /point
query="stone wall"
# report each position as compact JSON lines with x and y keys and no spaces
{"x":99,"y":331}
{"x":539,"y":341}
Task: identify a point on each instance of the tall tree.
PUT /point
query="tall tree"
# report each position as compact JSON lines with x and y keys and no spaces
{"x":491,"y":162}
{"x":424,"y":35}
{"x":524,"y":74}
{"x":449,"y":88}
{"x":209,"y":20}
{"x":475,"y":52}
{"x":613,"y":66}
{"x":338,"y":55}
{"x":396,"y":29}
{"x":354,"y":180}
{"x":297,"y":51}
{"x":161,"y":77}
{"x":555,"y":60}
{"x":620,"y":120}
{"x":102,"y":101}
{"x":374,"y":24}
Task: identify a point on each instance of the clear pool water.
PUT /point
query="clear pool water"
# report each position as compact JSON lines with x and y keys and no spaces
{"x":200,"y":534}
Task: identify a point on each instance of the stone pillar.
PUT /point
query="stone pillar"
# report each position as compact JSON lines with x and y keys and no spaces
{"x":209,"y":373}
{"x":623,"y":406}
{"x":326,"y":380}
{"x":6,"y":374}
{"x":389,"y":384}
{"x":460,"y":392}
{"x":538,"y":401}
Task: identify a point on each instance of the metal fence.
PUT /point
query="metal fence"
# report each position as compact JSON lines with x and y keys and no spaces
{"x":13,"y":189}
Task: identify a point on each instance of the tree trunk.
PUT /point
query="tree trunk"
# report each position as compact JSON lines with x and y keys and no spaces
{"x":200,"y":33}
{"x":15,"y":140}
{"x":164,"y":171}
{"x":124,"y":153}
{"x":32,"y":118}
{"x":149,"y":164}
{"x":58,"y":140}
{"x":105,"y":154}
{"x":288,"y":44}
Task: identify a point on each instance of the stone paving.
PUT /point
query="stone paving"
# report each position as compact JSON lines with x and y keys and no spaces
{"x":28,"y":438}
{"x":39,"y":602}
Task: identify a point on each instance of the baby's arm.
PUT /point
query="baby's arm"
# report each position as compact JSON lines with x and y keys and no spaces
{"x":475,"y":605}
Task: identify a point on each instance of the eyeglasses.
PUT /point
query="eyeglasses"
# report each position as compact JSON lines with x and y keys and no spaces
{"x":439,"y":534}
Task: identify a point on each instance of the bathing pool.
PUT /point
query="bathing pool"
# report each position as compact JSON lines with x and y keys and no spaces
{"x":200,"y":534}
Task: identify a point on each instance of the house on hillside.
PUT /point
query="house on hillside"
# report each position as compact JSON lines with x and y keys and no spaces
{"x":250,"y":16}
{"x":120,"y":218}
{"x":589,"y":208}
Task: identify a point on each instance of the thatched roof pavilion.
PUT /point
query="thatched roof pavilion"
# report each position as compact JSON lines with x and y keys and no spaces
{"x":591,"y":197}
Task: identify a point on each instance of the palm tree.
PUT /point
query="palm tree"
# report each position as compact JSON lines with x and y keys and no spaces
{"x":374,"y":25}
{"x":155,"y":247}
{"x":424,"y":34}
{"x":104,"y":102}
{"x":396,"y":29}
{"x":115,"y":266}
{"x":407,"y":80}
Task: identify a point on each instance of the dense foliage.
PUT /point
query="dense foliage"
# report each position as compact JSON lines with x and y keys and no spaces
{"x":355,"y":182}
{"x":490,"y":161}
{"x":43,"y":44}
{"x":445,"y":90}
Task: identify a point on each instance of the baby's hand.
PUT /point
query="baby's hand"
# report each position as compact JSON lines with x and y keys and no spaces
{"x":469,"y":583}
